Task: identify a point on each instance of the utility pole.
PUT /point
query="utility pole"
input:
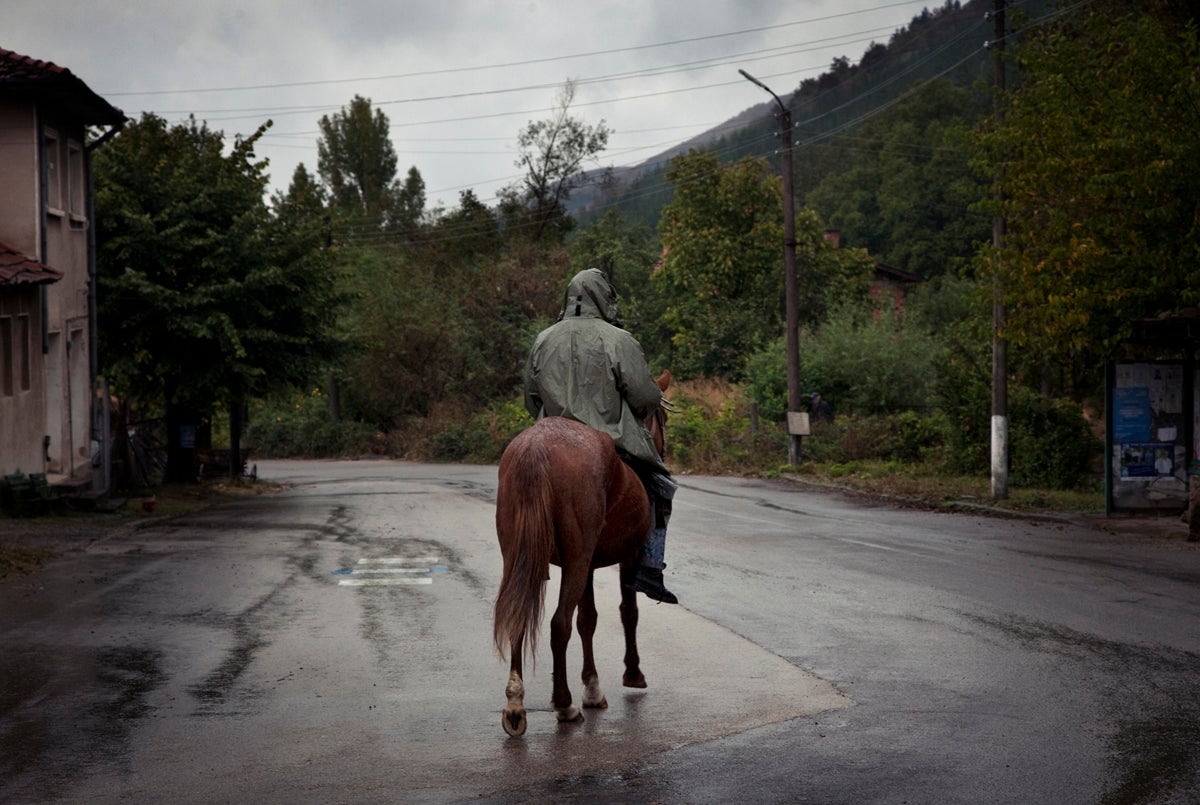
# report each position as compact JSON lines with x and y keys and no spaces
{"x":791,"y":304}
{"x":999,"y":342}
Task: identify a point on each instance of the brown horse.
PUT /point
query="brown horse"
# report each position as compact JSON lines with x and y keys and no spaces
{"x":566,"y":498}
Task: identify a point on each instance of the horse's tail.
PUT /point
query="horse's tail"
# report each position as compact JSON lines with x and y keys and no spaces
{"x":525,"y":527}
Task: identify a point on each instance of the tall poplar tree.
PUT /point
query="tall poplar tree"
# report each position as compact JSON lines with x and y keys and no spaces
{"x":358,"y":165}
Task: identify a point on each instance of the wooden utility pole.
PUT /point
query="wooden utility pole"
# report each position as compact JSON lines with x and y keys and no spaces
{"x":790,"y":290}
{"x":999,"y":344}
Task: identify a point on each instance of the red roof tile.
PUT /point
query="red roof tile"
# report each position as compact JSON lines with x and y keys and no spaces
{"x":17,"y":269}
{"x":15,"y":66}
{"x":46,"y":82}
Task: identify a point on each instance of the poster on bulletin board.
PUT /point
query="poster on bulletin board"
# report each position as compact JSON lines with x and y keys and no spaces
{"x":1152,"y":422}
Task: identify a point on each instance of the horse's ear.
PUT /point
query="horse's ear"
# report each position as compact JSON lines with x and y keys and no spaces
{"x":664,"y":379}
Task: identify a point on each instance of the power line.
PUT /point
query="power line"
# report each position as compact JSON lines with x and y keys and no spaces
{"x":873,"y":112}
{"x":523,"y":63}
{"x":649,"y":72}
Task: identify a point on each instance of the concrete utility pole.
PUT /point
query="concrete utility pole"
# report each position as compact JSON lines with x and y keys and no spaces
{"x":999,"y":343}
{"x":789,"y":270}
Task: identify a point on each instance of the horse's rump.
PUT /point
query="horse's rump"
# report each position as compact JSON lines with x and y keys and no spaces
{"x":559,"y":481}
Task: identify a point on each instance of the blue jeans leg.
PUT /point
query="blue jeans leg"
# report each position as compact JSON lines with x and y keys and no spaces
{"x":655,"y":549}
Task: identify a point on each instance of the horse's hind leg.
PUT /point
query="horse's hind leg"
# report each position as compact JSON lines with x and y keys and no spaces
{"x":633,"y":677}
{"x":513,"y":718}
{"x":569,"y":595}
{"x":586,"y":621}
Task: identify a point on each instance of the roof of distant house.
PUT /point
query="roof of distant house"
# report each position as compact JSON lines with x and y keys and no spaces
{"x":884,"y":271}
{"x":57,"y":87}
{"x":18,"y":269}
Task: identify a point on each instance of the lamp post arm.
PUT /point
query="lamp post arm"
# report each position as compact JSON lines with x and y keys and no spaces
{"x":755,"y":81}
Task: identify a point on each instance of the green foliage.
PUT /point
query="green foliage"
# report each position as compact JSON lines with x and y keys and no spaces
{"x":1050,"y":444}
{"x":1099,"y":165}
{"x":703,"y":439}
{"x":205,"y":298}
{"x":481,"y":437}
{"x":910,"y":205}
{"x":357,"y":163}
{"x":861,"y":363}
{"x":722,"y":240}
{"x":963,"y":385}
{"x":299,"y":426}
{"x":871,"y":364}
{"x":766,"y":380}
{"x":906,"y":437}
{"x":429,"y":328}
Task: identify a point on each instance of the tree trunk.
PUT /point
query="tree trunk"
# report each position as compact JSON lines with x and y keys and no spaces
{"x":181,"y":444}
{"x":237,"y":416}
{"x":335,"y":398}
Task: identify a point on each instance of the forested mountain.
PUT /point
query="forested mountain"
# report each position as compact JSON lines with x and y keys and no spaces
{"x":900,"y":108}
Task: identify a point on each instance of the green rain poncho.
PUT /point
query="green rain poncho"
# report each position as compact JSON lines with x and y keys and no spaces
{"x":588,"y":369}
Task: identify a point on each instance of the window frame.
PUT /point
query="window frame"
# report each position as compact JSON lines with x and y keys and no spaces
{"x":52,"y":170}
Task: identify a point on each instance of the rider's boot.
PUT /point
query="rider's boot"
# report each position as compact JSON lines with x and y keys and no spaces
{"x":649,"y":580}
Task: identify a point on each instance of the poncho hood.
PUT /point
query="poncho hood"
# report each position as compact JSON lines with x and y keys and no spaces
{"x":590,"y":296}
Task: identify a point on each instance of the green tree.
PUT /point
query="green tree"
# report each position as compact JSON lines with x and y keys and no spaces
{"x":553,"y":153}
{"x":357,"y":163}
{"x":722,"y":268}
{"x":627,"y":254}
{"x":1098,"y":162}
{"x":907,"y":196}
{"x":409,"y":206}
{"x":722,"y":236}
{"x":469,"y":232}
{"x":202,"y":299}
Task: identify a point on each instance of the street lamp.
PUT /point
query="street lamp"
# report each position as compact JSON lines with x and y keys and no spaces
{"x":789,"y":271}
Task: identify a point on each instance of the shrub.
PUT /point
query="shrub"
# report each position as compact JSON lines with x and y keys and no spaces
{"x":300,"y":427}
{"x":479,"y":437}
{"x":904,"y":437}
{"x":712,"y":432}
{"x":859,"y":362}
{"x":1050,"y":444}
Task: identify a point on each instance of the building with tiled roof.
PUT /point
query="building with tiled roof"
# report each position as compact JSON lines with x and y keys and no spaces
{"x":47,"y":284}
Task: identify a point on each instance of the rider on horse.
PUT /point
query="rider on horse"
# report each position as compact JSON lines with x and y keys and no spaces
{"x":586,"y":368}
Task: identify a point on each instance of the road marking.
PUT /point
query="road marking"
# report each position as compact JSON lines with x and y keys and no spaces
{"x":384,"y":582}
{"x":388,"y":571}
{"x":382,"y":571}
{"x":400,"y":560}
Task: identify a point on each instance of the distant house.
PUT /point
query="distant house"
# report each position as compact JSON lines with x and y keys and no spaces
{"x":47,"y":267}
{"x":889,"y":288}
{"x":889,"y":285}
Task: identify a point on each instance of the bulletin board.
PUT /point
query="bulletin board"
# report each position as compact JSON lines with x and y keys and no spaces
{"x":1152,"y":434}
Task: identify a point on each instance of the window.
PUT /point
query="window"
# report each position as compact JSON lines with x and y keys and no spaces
{"x":14,"y":355}
{"x":76,"y":189}
{"x":21,"y":359}
{"x":51,"y":170}
{"x":7,"y":356}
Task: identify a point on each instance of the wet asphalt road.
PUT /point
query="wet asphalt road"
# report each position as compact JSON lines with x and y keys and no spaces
{"x":331,"y":643}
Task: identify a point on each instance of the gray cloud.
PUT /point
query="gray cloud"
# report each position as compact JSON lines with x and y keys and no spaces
{"x":398,"y":53}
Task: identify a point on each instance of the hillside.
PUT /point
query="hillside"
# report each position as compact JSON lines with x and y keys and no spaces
{"x":942,"y":43}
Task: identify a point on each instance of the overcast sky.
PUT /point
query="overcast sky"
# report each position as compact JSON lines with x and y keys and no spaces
{"x":457,"y":79}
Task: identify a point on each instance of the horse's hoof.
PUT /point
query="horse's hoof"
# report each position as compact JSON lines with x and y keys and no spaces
{"x":514,"y":722}
{"x":592,"y":695}
{"x":570,"y":715}
{"x":634,"y":680}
